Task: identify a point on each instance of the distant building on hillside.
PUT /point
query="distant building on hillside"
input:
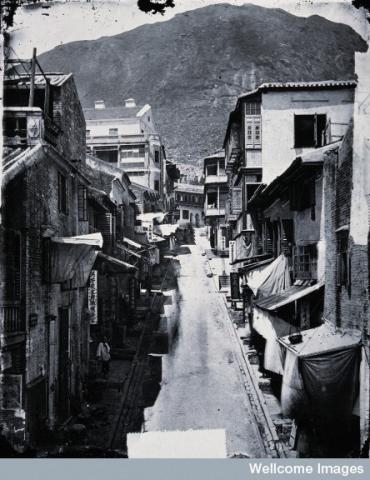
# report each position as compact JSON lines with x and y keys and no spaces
{"x":189,"y":200}
{"x":127,"y":137}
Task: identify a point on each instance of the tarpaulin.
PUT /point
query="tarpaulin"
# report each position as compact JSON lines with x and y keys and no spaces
{"x":321,"y":373}
{"x":73,"y":257}
{"x":331,"y":381}
{"x":269,"y":279}
{"x":270,"y":327}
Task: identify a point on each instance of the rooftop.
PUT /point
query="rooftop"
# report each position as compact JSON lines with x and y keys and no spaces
{"x":326,"y":84}
{"x":188,"y":188}
{"x":56,"y":79}
{"x":112,"y":112}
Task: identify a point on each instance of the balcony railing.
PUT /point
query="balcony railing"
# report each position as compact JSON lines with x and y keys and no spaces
{"x":215,"y":179}
{"x":214,"y":212}
{"x":11,"y":321}
{"x":26,"y":126}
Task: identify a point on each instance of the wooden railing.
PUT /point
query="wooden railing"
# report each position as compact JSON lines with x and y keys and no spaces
{"x":11,"y":321}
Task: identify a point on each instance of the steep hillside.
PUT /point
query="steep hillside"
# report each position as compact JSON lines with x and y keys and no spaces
{"x":192,"y":67}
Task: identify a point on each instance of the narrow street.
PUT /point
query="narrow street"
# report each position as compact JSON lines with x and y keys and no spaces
{"x":202,"y":387}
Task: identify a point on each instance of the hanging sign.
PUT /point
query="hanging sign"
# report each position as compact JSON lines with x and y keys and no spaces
{"x":231,"y":251}
{"x":234,"y":285}
{"x":92,"y":297}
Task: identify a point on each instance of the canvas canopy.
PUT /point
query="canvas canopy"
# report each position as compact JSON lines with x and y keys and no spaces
{"x":132,"y":243}
{"x":73,"y":257}
{"x":115,"y":264}
{"x":269,"y":279}
{"x":291,"y":294}
{"x":270,"y":327}
{"x":321,"y":373}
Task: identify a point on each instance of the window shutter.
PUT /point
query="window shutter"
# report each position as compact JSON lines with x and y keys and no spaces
{"x":105,"y":226}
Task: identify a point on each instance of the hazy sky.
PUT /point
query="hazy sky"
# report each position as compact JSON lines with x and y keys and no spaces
{"x":67,"y":21}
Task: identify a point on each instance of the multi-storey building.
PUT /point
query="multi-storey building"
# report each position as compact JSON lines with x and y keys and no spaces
{"x":126,"y":136}
{"x":190,"y":204}
{"x":215,"y":197}
{"x":48,"y":253}
{"x":271,"y":126}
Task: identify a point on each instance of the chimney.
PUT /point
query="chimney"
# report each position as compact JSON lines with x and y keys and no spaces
{"x":99,"y":105}
{"x":130,"y":103}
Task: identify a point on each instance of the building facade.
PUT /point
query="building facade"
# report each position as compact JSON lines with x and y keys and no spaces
{"x":127,"y":137}
{"x":271,"y":126}
{"x":190,"y":204}
{"x":215,"y":199}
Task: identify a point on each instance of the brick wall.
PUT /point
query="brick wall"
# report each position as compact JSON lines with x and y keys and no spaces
{"x":344,"y":307}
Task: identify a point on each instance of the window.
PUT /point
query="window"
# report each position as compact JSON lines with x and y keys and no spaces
{"x":212,"y":200}
{"x":132,"y":151}
{"x":309,"y":130}
{"x":253,"y":132}
{"x":88,"y":133}
{"x":212,"y":169}
{"x":343,"y":260}
{"x":185,"y":214}
{"x":109,"y":156}
{"x":113,"y":132}
{"x":156,"y":156}
{"x":82,"y":203}
{"x":156,"y":185}
{"x":253,"y":108}
{"x":62,"y":193}
{"x":305,"y":262}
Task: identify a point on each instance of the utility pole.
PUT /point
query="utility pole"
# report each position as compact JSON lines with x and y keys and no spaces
{"x":32,"y":79}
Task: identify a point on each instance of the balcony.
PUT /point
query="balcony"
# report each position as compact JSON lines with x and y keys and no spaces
{"x":27,"y":126}
{"x":215,"y":179}
{"x":11,"y":321}
{"x":214,"y":212}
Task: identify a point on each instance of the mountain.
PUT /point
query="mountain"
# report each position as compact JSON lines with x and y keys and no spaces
{"x":192,"y":67}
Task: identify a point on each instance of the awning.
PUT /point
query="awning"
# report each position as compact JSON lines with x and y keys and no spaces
{"x":132,"y":243}
{"x":287,"y":296}
{"x":167,"y":229}
{"x":270,"y":279}
{"x":321,"y":373}
{"x":128,"y":251}
{"x":324,"y":338}
{"x":157,"y":238}
{"x":93,"y":239}
{"x":73,"y":257}
{"x":116,"y":264}
{"x":150,"y":216}
{"x":270,"y":327}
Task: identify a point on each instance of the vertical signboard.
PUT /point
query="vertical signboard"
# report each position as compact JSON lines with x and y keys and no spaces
{"x":150,"y":231}
{"x":234,"y":286}
{"x":92,"y":297}
{"x":231,"y":251}
{"x":132,"y":294}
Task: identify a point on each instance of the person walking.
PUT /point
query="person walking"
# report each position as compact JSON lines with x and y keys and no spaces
{"x":103,"y":354}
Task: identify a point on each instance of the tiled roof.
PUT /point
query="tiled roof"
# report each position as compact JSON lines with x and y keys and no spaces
{"x":300,"y":86}
{"x":111,"y":112}
{"x":56,"y":79}
{"x":186,"y":187}
{"x":217,"y":154}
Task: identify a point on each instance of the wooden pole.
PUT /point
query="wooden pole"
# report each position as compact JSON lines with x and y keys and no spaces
{"x":32,"y":79}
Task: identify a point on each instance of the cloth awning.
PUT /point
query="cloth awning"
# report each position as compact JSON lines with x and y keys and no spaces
{"x":116,"y":264}
{"x":73,"y":257}
{"x":270,"y":327}
{"x":132,"y":243}
{"x":166,"y":229}
{"x":128,"y":251}
{"x":295,"y":292}
{"x":266,"y":280}
{"x":321,"y":373}
{"x":150,"y":216}
{"x":157,"y":238}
